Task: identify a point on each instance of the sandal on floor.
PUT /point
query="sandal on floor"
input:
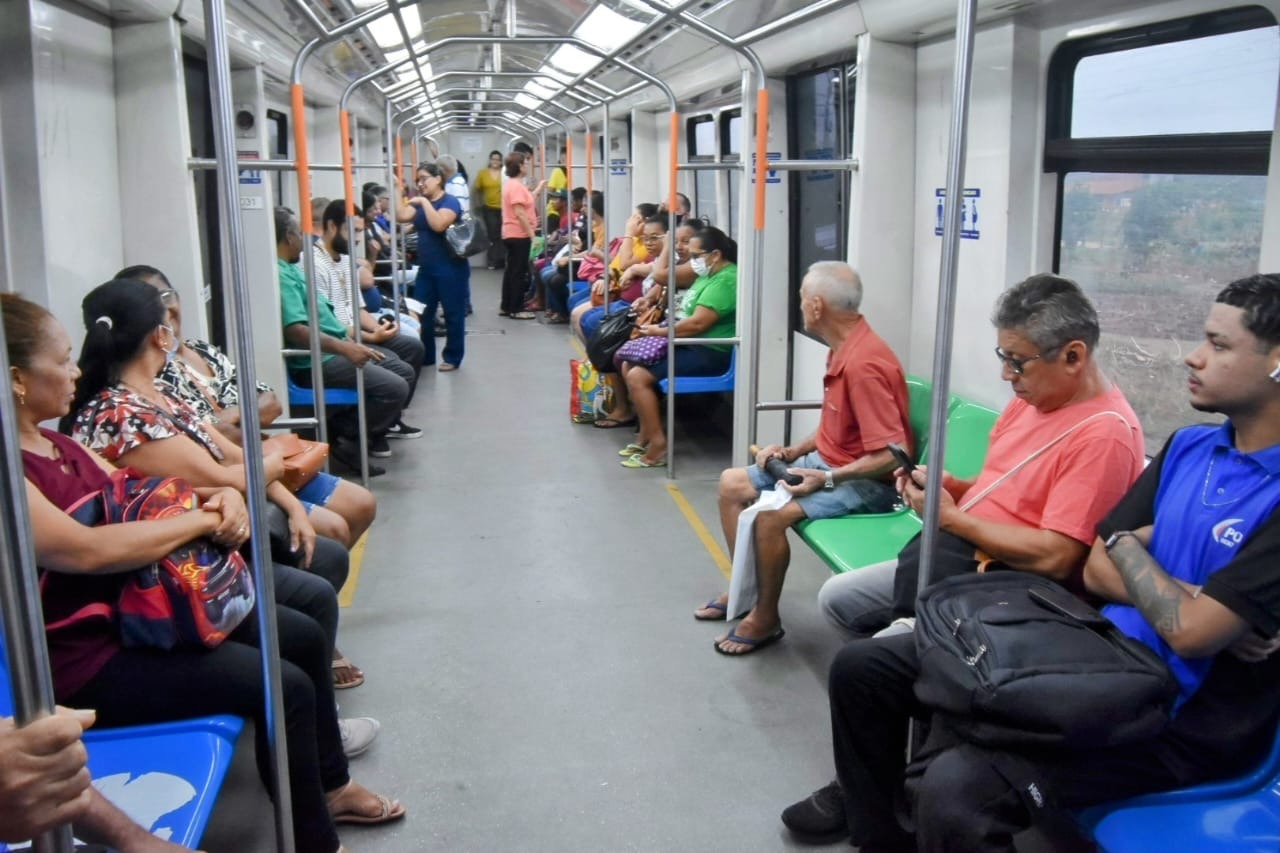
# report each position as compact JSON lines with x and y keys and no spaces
{"x":447,"y":367}
{"x":713,"y":604}
{"x":638,"y":461}
{"x":753,"y":644}
{"x":632,"y":449}
{"x":346,"y":674}
{"x":390,"y":810}
{"x":612,"y":423}
{"x":524,"y":315}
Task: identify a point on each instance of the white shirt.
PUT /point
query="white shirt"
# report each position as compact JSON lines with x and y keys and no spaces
{"x":334,"y":283}
{"x":458,"y":188}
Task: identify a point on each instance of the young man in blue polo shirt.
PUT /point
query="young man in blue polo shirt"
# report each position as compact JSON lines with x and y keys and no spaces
{"x":1190,"y":561}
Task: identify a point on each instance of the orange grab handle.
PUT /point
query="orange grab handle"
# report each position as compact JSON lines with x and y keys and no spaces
{"x":588,"y":163}
{"x":300,"y":150}
{"x":762,"y":144}
{"x":542,"y":161}
{"x":675,"y":156}
{"x":568,"y":162}
{"x":348,"y":175}
{"x":404,"y":187}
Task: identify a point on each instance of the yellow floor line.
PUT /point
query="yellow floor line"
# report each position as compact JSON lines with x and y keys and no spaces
{"x":348,"y":593}
{"x":700,"y":530}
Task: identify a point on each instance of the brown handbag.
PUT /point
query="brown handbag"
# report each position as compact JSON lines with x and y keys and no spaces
{"x":303,"y":459}
{"x":654,"y":313}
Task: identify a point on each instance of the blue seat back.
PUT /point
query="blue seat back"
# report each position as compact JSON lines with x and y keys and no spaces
{"x":706,"y":384}
{"x":165,"y":776}
{"x":299,"y":396}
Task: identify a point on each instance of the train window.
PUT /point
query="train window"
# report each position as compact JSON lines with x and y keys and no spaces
{"x":731,"y":134}
{"x":278,"y":146}
{"x":701,"y":132}
{"x":820,"y":121}
{"x":1161,"y":201}
{"x":700,"y":137}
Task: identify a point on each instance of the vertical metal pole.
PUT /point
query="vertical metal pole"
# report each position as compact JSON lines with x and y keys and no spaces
{"x":604,"y":165}
{"x":394,"y":195}
{"x":353,"y":284}
{"x":232,"y":238}
{"x":752,"y":277}
{"x":947,"y":284}
{"x":542,"y":146}
{"x":20,"y":611}
{"x":673,"y":152}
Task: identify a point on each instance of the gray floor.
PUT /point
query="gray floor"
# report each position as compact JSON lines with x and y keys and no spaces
{"x":524,"y":621}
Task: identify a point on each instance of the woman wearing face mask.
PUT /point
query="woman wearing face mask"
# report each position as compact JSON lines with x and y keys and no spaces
{"x":707,"y":311}
{"x":442,"y":278}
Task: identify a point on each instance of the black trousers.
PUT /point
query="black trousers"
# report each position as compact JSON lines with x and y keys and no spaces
{"x":515,"y":276}
{"x":964,"y":797}
{"x":497,"y":253}
{"x":142,"y":686}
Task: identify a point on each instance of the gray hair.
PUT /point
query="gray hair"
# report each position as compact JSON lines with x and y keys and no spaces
{"x":837,"y":283}
{"x":448,"y":164}
{"x":1049,"y":310}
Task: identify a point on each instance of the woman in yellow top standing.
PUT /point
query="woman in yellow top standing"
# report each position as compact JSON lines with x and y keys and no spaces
{"x":488,"y":194}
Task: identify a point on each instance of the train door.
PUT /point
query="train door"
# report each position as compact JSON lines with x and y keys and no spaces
{"x":200,"y":119}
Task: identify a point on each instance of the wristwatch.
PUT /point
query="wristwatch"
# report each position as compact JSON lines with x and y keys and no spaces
{"x":1115,"y":537}
{"x":828,"y":481}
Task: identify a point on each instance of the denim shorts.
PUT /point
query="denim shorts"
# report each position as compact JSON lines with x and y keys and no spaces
{"x":847,"y":498}
{"x":319,"y":491}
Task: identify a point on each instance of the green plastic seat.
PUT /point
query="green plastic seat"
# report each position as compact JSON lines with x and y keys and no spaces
{"x":854,"y":541}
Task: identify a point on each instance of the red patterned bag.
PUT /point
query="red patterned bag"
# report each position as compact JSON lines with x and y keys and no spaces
{"x":195,"y":595}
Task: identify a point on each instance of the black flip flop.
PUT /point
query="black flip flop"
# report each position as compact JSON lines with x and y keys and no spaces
{"x":713,"y":605}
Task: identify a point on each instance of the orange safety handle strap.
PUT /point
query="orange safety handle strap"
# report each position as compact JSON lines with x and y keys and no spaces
{"x":404,"y":187}
{"x":674,"y":154}
{"x":762,"y":144}
{"x":588,"y":164}
{"x":568,"y":163}
{"x":348,"y":174}
{"x":304,"y":167}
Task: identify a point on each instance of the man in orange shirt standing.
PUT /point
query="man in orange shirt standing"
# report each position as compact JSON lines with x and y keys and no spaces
{"x":845,"y":466}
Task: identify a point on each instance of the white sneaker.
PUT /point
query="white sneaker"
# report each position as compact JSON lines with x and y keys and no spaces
{"x":358,"y":734}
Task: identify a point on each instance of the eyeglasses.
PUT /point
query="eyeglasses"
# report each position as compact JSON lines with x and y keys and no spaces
{"x":652,"y":238}
{"x":1017,"y":365}
{"x":169,"y":297}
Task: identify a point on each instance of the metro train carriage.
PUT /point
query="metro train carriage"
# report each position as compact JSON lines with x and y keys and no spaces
{"x":786,"y":234}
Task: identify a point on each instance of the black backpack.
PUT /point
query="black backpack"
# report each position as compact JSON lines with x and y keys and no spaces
{"x":1013,"y":659}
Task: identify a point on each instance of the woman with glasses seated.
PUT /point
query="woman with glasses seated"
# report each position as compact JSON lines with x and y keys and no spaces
{"x":201,"y":376}
{"x":707,"y":311}
{"x":84,"y":568}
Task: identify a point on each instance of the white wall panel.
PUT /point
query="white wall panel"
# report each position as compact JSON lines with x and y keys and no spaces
{"x":79,"y":182}
{"x":324,"y":145}
{"x":156,"y":192}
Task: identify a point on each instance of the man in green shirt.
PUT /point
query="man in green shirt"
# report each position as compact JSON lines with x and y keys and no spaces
{"x":385,"y":392}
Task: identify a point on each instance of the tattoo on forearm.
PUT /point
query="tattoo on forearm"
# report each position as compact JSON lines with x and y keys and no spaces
{"x":1156,"y":595}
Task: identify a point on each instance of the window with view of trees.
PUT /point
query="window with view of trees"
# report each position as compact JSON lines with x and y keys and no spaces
{"x":1158,"y":212}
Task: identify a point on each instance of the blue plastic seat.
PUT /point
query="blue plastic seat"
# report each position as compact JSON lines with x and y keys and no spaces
{"x":299,"y":396}
{"x":705,"y":384}
{"x":165,"y":776}
{"x":1240,"y":815}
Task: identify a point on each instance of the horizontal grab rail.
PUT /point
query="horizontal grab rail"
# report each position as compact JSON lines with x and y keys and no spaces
{"x":708,"y":167}
{"x":196,"y":164}
{"x":787,"y":405}
{"x":813,"y":165}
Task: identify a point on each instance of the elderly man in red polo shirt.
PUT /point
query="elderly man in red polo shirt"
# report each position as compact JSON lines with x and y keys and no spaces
{"x":845,"y":466}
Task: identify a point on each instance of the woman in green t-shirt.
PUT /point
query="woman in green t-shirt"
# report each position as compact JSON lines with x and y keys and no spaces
{"x":707,"y":311}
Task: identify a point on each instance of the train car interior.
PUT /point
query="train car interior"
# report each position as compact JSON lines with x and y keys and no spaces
{"x":517,"y":616}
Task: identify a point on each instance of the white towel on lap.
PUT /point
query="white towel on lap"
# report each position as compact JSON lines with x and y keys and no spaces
{"x":743,"y":585}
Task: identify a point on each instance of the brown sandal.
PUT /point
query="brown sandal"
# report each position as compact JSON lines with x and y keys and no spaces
{"x":389,"y":810}
{"x":345,"y":674}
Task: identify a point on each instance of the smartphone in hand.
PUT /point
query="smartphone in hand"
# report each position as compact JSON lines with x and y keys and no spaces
{"x":903,"y":459}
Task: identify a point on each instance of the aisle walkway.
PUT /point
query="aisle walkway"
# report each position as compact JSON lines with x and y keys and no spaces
{"x":524,"y":620}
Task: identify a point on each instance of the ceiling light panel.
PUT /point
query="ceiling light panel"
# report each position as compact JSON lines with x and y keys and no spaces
{"x":528,"y":102}
{"x":605,"y":29}
{"x":572,"y":60}
{"x":386,"y":33}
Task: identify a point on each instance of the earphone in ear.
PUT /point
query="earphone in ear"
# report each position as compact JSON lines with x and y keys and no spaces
{"x":1275,"y":374}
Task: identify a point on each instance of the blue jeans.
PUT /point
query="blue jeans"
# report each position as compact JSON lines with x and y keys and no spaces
{"x":595,"y":316}
{"x":444,"y":283}
{"x":847,"y":498}
{"x":577,"y":297}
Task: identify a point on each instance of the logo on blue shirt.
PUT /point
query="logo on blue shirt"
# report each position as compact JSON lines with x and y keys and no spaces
{"x":1225,"y":534}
